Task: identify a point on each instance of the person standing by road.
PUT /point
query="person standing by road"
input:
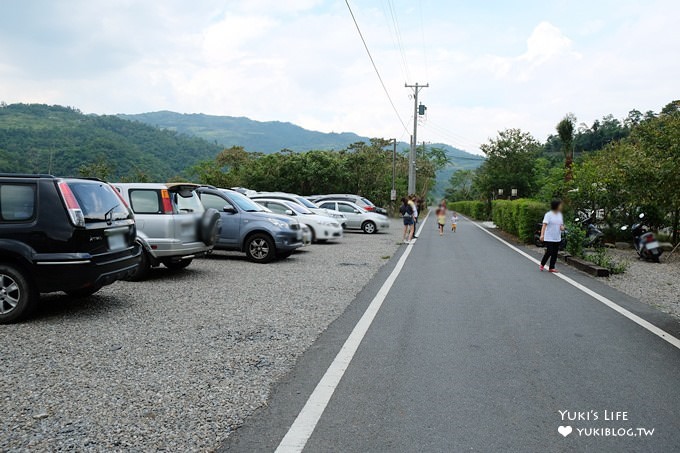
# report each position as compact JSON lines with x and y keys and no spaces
{"x":414,"y":208}
{"x":551,"y":234}
{"x":407,"y":215}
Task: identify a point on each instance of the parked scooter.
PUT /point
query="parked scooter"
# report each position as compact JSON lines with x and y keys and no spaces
{"x":594,"y":236}
{"x":646,"y":245}
{"x":539,"y":243}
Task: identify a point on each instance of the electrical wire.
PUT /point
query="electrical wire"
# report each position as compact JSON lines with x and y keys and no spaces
{"x":446,"y":134}
{"x":395,"y":43}
{"x":375,"y":67}
{"x":400,"y":41}
{"x":422,"y":32}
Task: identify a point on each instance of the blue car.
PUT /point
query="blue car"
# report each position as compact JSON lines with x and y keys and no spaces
{"x":247,"y":227}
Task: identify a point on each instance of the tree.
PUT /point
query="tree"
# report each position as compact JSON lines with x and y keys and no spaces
{"x":98,"y":169}
{"x":461,"y":186}
{"x":509,"y":164}
{"x":565,"y":130}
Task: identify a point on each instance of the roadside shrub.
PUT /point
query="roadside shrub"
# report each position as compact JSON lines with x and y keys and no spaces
{"x":518,"y":217}
{"x":478,"y":210}
{"x":604,"y":259}
{"x":575,"y":239}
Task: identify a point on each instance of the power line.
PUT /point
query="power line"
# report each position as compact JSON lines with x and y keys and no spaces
{"x":400,"y":41}
{"x":393,"y":35}
{"x":422,"y":32}
{"x":361,"y":35}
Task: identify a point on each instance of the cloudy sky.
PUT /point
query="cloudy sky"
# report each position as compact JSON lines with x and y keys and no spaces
{"x":490,"y":64}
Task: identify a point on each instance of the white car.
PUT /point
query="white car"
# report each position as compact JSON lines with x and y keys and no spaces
{"x":357,"y":217}
{"x":306,"y":234}
{"x":323,"y":228}
{"x":302,"y":201}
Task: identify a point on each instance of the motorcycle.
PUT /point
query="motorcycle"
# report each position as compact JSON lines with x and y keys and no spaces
{"x":594,"y":236}
{"x":539,"y":243}
{"x":646,"y":245}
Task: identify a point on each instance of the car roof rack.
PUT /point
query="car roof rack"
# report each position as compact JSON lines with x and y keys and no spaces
{"x":26,"y":175}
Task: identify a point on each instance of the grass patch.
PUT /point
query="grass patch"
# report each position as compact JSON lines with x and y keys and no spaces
{"x":604,"y":259}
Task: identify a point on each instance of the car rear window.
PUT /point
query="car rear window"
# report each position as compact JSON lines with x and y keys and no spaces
{"x":145,"y":201}
{"x":17,"y":202}
{"x":98,"y":201}
{"x":368,"y":202}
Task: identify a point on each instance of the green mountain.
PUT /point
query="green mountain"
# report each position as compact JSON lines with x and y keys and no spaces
{"x":36,"y":138}
{"x":60,"y":140}
{"x":270,"y":137}
{"x":265,"y":137}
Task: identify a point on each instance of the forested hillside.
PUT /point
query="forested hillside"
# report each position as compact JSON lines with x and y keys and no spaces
{"x":264,"y":137}
{"x":62,"y":141}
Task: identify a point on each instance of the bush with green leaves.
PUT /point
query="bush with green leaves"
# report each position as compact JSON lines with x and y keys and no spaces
{"x":576,"y":236}
{"x":603,"y":259}
{"x":478,"y":210}
{"x":518,"y":217}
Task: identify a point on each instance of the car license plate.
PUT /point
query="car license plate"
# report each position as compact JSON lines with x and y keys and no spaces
{"x":653,"y":245}
{"x":117,"y":242}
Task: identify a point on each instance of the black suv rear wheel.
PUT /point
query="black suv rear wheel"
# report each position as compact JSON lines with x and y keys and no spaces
{"x":18,"y":297}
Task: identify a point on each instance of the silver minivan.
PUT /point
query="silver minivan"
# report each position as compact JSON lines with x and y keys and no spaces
{"x":173,"y":227}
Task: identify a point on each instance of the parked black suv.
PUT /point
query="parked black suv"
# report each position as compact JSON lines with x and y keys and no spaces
{"x":71,"y":235}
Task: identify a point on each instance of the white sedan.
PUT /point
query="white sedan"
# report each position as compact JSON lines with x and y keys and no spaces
{"x":357,"y":217}
{"x":323,"y":228}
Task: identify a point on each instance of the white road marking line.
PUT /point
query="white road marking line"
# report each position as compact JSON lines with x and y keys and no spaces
{"x":302,"y":428}
{"x":608,"y":302}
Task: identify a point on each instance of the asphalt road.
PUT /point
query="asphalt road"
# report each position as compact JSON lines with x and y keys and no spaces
{"x":475,"y":350}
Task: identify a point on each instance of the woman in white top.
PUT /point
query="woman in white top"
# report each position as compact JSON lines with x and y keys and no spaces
{"x":551,"y":234}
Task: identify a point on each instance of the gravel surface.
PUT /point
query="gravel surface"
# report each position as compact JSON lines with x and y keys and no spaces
{"x":174,"y":363}
{"x":657,"y":284}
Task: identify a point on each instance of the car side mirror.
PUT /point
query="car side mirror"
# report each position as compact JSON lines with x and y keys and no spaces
{"x":289,"y":212}
{"x":229,"y":210}
{"x":356,"y":211}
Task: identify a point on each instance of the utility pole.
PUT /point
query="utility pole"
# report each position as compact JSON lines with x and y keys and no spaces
{"x":414,"y":139}
{"x":393,"y":195}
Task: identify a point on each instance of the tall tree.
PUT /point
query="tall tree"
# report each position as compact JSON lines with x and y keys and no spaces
{"x":509,"y":164}
{"x":565,"y":130}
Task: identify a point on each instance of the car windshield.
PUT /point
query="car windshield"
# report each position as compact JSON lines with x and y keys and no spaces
{"x":299,"y":209}
{"x":368,"y":202}
{"x":244,"y":203}
{"x":306,"y":203}
{"x":98,"y":201}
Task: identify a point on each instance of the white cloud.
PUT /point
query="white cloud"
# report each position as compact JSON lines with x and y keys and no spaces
{"x":302,"y":61}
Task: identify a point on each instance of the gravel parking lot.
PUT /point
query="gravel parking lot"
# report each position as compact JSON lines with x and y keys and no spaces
{"x":174,"y":363}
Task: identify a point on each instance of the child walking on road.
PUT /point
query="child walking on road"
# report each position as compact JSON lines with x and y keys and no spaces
{"x":441,"y":220}
{"x":454,"y":221}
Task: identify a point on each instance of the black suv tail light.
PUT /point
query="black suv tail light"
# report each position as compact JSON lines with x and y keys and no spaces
{"x":72,"y":206}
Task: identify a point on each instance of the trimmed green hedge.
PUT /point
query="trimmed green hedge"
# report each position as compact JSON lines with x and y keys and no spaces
{"x":518,"y":217}
{"x":478,"y":210}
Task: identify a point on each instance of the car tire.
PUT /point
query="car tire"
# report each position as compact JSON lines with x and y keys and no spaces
{"x":369,"y":227}
{"x":210,"y":227}
{"x":177,"y":265}
{"x":18,"y":296}
{"x":143,"y":269}
{"x":84,"y":292}
{"x":260,"y":248}
{"x":313,"y":234}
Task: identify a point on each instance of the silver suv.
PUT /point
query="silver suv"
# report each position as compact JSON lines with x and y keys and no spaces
{"x":173,"y":227}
